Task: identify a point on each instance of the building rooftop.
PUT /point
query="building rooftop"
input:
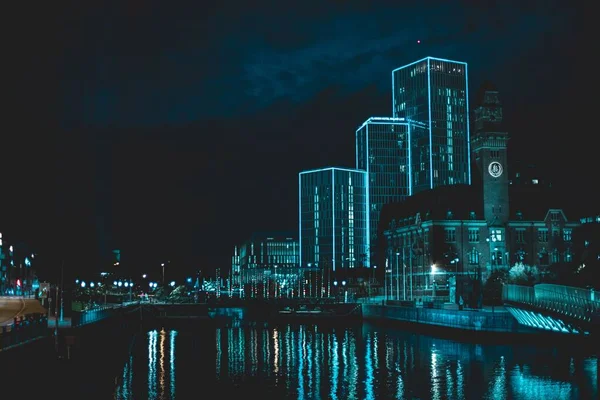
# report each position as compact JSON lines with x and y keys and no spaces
{"x":429,"y":58}
{"x":330,"y":169}
{"x":526,"y":203}
{"x":274,"y":235}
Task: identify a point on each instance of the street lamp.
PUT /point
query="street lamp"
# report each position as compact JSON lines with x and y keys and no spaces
{"x":163,"y":271}
{"x":397,"y":276}
{"x":433,"y":272}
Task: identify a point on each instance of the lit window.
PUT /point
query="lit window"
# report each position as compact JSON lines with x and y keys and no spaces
{"x":520,"y":236}
{"x":496,"y":235}
{"x":473,"y":256}
{"x":450,"y":234}
{"x":473,"y":235}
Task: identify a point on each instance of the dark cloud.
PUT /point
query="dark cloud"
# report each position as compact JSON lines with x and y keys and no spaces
{"x":181,"y":128}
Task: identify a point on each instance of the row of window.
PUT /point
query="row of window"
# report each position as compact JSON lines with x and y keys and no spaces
{"x":545,"y":258}
{"x":496,"y":235}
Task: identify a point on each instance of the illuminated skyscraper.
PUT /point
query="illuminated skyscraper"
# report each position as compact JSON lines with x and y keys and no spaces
{"x":384,"y":151}
{"x":434,"y":92}
{"x":333,"y":218}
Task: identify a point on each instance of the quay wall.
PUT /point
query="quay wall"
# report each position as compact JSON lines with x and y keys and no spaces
{"x":469,"y":320}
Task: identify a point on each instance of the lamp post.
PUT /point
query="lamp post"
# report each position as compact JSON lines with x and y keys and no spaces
{"x":397,"y":276}
{"x":335,"y":283}
{"x":403,"y":276}
{"x":433,"y":281}
{"x":385,"y":272}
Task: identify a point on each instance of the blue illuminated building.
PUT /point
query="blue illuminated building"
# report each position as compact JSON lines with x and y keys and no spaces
{"x":434,"y":92}
{"x":384,"y":149}
{"x":265,"y":265}
{"x":333,"y":219}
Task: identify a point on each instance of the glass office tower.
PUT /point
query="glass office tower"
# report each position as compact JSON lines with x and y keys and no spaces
{"x":434,"y":92}
{"x":383,"y":151}
{"x":333,"y":219}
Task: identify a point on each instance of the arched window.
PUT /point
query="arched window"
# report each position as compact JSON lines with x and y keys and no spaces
{"x":555,"y":256}
{"x":473,"y":256}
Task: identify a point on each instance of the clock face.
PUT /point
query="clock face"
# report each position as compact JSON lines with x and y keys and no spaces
{"x":495,"y":169}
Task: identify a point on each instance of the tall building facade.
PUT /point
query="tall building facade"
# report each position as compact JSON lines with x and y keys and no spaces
{"x":383,"y":151}
{"x":333,"y":219}
{"x":434,"y":92}
{"x":490,"y":144}
{"x":234,"y":275}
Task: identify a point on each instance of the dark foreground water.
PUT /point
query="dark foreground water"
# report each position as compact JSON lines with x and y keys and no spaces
{"x":360,"y":362}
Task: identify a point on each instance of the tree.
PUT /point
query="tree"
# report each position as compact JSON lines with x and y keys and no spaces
{"x":523,"y":274}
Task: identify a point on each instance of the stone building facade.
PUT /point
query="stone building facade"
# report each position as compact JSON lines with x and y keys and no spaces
{"x":443,"y":242}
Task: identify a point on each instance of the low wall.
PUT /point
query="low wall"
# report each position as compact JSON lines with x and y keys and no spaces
{"x":80,"y":318}
{"x":468,"y":320}
{"x":27,"y":329}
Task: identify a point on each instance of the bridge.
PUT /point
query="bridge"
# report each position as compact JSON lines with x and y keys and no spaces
{"x":554,"y":307}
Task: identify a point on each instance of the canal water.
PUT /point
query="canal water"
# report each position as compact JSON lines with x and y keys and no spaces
{"x":362,"y":361}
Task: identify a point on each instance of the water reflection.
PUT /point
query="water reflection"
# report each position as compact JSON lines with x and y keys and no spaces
{"x":160,"y":370}
{"x":311,"y":362}
{"x":372,"y":363}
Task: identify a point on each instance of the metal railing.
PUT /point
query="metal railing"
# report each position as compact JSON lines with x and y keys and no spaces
{"x":572,"y":302}
{"x":23,"y":330}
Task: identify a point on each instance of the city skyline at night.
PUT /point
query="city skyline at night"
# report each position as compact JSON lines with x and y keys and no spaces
{"x":135,"y":140}
{"x":320,"y":199}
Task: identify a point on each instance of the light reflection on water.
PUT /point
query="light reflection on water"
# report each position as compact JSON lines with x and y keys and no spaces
{"x":312,"y":362}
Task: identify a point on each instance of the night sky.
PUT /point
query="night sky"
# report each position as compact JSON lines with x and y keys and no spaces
{"x":175,"y":131}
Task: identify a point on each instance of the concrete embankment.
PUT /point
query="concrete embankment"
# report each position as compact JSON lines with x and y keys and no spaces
{"x":466,"y":325}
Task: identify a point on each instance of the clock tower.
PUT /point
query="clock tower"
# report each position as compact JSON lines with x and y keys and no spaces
{"x":489,"y":143}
